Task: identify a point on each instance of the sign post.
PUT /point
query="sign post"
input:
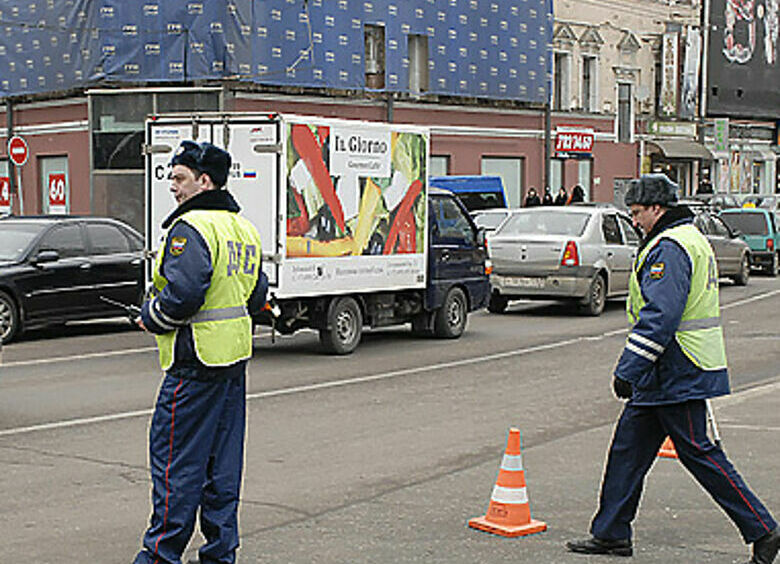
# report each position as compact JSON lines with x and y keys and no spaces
{"x":18,"y":152}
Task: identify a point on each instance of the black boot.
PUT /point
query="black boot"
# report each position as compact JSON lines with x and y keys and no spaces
{"x":595,"y":545}
{"x":765,"y":549}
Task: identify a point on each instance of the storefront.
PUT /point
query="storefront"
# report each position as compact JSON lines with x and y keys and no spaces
{"x":672,"y":148}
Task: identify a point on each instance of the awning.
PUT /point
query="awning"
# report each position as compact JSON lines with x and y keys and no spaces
{"x":682,"y":149}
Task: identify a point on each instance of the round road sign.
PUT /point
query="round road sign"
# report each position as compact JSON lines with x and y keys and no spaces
{"x":18,"y":150}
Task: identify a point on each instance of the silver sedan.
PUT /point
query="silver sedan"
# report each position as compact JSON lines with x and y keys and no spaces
{"x":582,"y":253}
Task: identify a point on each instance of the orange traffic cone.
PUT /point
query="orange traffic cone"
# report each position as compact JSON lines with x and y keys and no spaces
{"x":667,"y":449}
{"x":509,"y":513}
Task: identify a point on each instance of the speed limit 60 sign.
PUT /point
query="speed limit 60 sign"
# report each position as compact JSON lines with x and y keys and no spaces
{"x":58,"y":195}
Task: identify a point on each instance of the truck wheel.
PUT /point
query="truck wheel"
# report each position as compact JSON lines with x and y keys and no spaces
{"x":596,"y":298}
{"x":741,"y":279}
{"x":346,"y":327}
{"x":497,"y":303}
{"x":450,"y":319}
{"x":9,"y":318}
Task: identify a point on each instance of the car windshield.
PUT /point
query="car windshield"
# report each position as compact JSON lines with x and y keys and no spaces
{"x":15,"y":237}
{"x":747,"y":223}
{"x":489,"y":220}
{"x":547,"y":222}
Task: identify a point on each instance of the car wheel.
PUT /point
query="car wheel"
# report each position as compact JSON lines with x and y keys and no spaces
{"x":497,"y":303}
{"x":9,"y":318}
{"x":346,"y":327}
{"x":596,"y":298}
{"x":741,"y":279}
{"x":449,"y":321}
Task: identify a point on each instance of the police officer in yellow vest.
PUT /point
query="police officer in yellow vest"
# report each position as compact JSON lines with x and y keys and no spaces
{"x":674,"y":360}
{"x":207,"y":282}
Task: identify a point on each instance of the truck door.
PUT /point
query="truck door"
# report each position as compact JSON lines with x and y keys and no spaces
{"x":162,"y":139}
{"x":255,"y":148}
{"x":454,"y":253}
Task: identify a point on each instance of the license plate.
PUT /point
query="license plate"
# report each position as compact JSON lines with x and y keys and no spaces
{"x":524,"y":282}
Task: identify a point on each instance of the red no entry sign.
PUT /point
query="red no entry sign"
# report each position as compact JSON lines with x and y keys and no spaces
{"x":18,"y":150}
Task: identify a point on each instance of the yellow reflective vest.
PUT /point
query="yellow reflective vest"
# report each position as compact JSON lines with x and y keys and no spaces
{"x":222,"y":327}
{"x":700,"y":334}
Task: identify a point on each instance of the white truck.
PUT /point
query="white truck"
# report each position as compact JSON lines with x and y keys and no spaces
{"x":351,"y":233}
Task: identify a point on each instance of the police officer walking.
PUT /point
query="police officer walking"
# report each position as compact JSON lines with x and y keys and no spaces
{"x":673,"y":361}
{"x":207,"y":281}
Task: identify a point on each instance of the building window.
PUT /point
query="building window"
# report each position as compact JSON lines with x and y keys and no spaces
{"x":440,"y":165}
{"x":510,"y":169}
{"x":117,"y":131}
{"x":625,"y":114}
{"x":418,"y":64}
{"x":374,"y":38}
{"x":561,"y":70}
{"x":589,"y":82}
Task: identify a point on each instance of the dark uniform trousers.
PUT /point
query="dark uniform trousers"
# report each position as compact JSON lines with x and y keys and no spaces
{"x":196,"y":449}
{"x":638,"y":436}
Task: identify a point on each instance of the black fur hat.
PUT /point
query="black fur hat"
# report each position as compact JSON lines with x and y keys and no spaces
{"x":652,"y":189}
{"x":204,"y":158}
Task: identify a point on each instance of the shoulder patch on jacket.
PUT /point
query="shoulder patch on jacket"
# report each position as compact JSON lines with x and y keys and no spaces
{"x":657,"y":270}
{"x":177,"y":245}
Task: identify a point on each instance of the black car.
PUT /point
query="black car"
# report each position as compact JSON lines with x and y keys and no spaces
{"x":55,"y":269}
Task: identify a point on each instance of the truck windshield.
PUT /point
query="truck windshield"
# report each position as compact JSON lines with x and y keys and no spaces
{"x":16,"y":237}
{"x":746,"y":222}
{"x":545,"y":222}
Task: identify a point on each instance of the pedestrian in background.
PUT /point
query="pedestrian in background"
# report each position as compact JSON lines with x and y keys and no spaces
{"x":207,"y":281}
{"x":577,"y":195}
{"x":561,"y":197}
{"x":547,"y":199}
{"x":673,"y":361}
{"x":532,"y":198}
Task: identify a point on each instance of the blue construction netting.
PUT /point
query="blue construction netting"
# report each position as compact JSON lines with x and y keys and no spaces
{"x":476,"y":48}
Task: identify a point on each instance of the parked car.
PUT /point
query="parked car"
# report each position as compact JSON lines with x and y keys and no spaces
{"x":54,"y":269}
{"x":718,"y":200}
{"x":731,"y":253}
{"x":582,"y":253}
{"x":490,"y":219}
{"x":758,"y":227}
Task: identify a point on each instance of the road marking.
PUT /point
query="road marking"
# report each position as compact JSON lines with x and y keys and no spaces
{"x":734,"y":398}
{"x":92,"y":355}
{"x":299,"y":389}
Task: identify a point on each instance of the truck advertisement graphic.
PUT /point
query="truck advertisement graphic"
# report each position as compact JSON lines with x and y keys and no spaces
{"x":354,"y":191}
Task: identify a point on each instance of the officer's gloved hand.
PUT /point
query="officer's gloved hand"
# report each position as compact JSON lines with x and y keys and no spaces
{"x":623,"y":389}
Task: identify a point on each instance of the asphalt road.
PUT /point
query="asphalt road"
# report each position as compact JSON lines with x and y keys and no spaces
{"x":381,"y":456}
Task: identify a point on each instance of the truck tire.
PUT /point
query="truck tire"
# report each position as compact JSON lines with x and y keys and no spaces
{"x":497,"y":303}
{"x":450,"y":319}
{"x":594,"y":301}
{"x":9,"y":318}
{"x":741,"y":278}
{"x":346,"y":327}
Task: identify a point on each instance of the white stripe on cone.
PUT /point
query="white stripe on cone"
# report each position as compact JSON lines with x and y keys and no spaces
{"x":509,"y":495}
